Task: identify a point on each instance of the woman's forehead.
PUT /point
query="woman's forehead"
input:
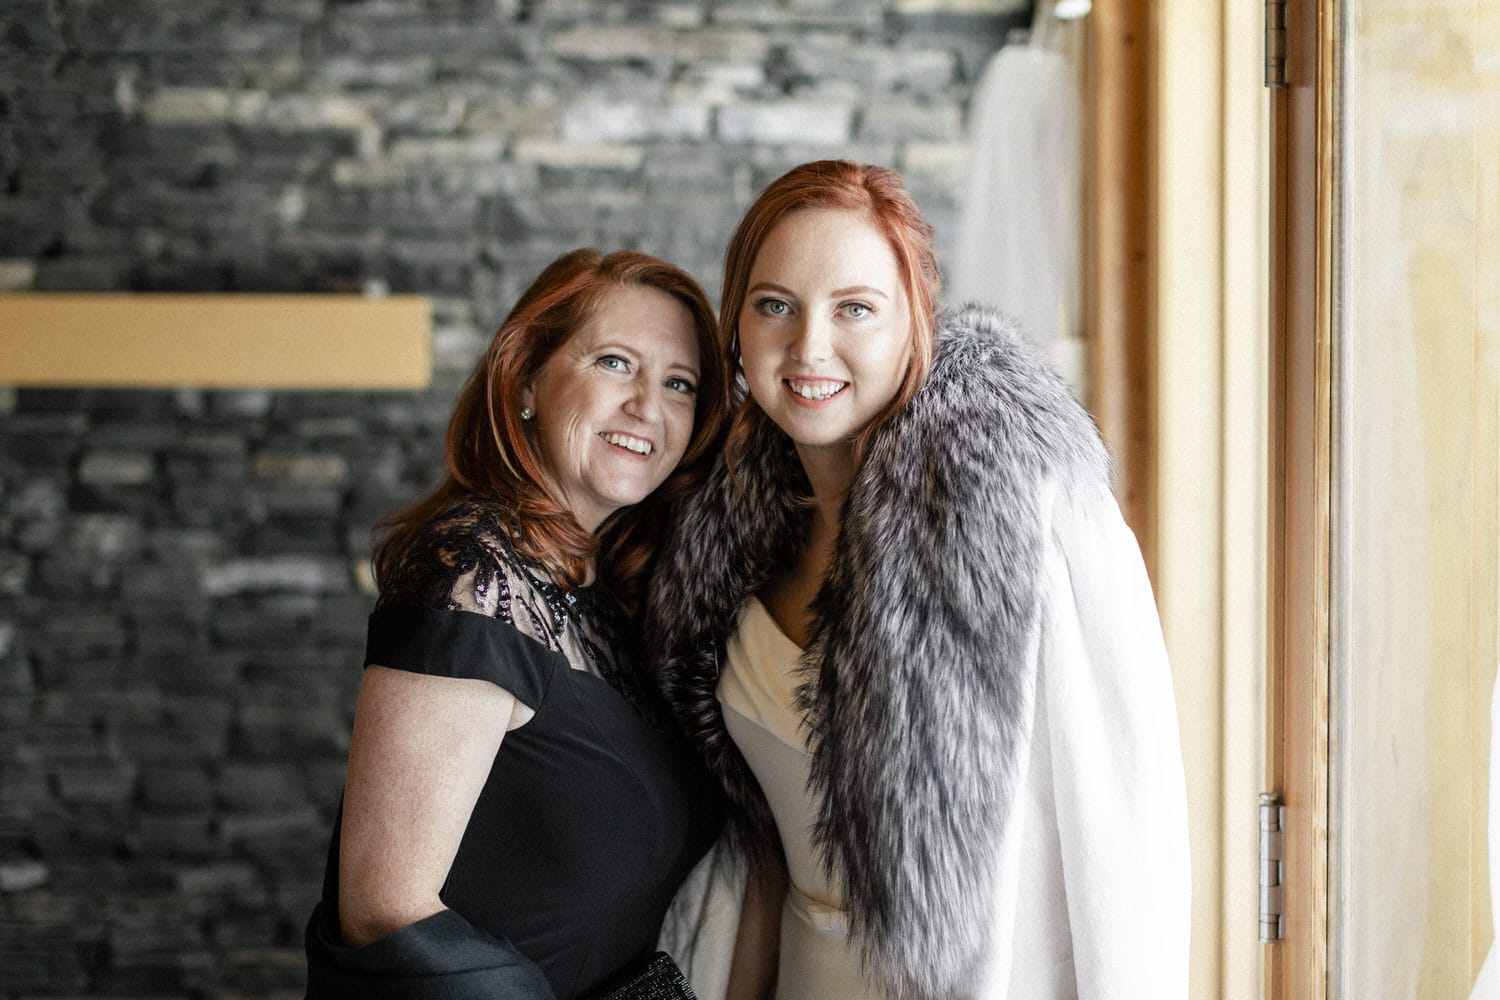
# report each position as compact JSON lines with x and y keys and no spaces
{"x":830,"y":245}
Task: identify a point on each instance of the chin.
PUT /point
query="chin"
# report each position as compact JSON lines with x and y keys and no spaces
{"x":812,"y":434}
{"x":623,"y":498}
{"x":844,"y":443}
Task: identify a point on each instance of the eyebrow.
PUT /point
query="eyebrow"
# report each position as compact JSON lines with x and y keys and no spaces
{"x":859,"y":290}
{"x":771,"y":286}
{"x":620,"y":347}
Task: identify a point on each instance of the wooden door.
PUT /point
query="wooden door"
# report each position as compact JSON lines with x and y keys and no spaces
{"x":1385,"y":499}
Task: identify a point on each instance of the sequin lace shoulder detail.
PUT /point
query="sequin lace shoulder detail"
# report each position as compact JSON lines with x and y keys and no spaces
{"x":463,"y":560}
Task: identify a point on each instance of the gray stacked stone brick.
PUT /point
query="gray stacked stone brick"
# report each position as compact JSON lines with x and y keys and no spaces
{"x":183,"y":573}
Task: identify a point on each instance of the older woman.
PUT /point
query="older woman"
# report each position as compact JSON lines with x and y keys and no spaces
{"x":907,"y":627}
{"x":515,"y":818}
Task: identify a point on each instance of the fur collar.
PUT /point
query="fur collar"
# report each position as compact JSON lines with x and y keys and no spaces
{"x":917,"y":684}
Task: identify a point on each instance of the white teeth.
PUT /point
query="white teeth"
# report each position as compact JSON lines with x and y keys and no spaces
{"x":815,"y":390}
{"x":634,"y":444}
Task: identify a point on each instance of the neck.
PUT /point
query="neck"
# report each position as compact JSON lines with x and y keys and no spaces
{"x":830,"y":471}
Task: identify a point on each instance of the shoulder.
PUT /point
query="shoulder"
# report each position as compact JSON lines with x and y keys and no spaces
{"x":989,"y":430}
{"x":460,"y":560}
{"x":990,"y":384}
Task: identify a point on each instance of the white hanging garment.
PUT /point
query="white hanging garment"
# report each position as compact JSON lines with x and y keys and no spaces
{"x":1018,"y":223}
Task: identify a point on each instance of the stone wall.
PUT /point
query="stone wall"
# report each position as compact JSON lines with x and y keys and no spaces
{"x":182,"y":582}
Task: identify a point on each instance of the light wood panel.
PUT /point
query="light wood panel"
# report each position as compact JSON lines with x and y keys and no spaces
{"x":215,"y":341}
{"x":1418,"y":497}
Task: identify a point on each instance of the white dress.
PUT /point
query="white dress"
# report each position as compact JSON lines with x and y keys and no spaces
{"x":756,"y":691}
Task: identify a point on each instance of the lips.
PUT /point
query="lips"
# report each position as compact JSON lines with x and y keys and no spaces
{"x":629,"y":442}
{"x":815,"y":390}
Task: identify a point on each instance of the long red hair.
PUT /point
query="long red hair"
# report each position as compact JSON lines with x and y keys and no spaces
{"x":880,"y":195}
{"x":490,"y":455}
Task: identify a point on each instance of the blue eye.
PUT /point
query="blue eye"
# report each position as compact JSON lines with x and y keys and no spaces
{"x":614,"y":363}
{"x":681,"y":385}
{"x":773,"y":307}
{"x":857,"y":310}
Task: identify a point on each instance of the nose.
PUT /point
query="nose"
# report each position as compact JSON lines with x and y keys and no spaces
{"x":644,"y":402}
{"x":811,"y":342}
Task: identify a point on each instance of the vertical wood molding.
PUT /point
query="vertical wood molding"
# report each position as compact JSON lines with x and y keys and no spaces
{"x":1210,"y":456}
{"x":1244,"y":319}
{"x":1487,"y":415}
{"x":1119,"y":251}
{"x":1300,"y":516}
{"x":1188,"y":433}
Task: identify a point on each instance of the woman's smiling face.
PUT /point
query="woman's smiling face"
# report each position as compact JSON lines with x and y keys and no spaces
{"x":825,"y":331}
{"x":614,"y":406}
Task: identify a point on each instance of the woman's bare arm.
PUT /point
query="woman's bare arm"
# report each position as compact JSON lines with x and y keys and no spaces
{"x":757,"y":946}
{"x":421,"y":751}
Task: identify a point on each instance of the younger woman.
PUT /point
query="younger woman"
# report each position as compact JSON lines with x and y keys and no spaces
{"x":907,"y":627}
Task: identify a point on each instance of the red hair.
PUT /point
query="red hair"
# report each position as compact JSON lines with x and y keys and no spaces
{"x":880,"y":195}
{"x":490,"y":455}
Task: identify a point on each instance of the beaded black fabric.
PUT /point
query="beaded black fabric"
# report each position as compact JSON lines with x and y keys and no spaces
{"x":660,"y":980}
{"x":464,"y":560}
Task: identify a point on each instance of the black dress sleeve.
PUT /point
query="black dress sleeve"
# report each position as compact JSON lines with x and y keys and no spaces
{"x":443,"y":957}
{"x":456,"y":605}
{"x":460,"y":644}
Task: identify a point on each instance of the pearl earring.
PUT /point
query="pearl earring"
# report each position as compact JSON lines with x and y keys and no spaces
{"x":526,"y":413}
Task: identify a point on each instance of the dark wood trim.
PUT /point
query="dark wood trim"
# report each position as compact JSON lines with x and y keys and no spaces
{"x":1301,"y":283}
{"x":1120,"y":253}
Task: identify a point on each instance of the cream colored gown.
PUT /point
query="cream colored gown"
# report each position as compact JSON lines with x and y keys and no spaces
{"x":756,"y":691}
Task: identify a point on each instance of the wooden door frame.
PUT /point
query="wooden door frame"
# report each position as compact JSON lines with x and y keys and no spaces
{"x":1175,"y":279}
{"x":1303,"y":206}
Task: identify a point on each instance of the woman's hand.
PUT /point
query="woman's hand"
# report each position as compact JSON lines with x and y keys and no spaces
{"x":422,"y":748}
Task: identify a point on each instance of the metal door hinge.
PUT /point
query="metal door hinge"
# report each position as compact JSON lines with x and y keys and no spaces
{"x":1272,"y":817}
{"x":1275,"y":43}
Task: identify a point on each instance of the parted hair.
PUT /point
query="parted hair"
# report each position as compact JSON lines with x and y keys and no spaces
{"x":880,"y":195}
{"x":490,"y":454}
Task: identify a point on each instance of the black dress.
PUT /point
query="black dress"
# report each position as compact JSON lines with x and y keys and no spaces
{"x":590,"y":818}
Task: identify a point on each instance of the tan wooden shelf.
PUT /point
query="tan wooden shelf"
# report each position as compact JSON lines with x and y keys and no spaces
{"x":123,"y":340}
